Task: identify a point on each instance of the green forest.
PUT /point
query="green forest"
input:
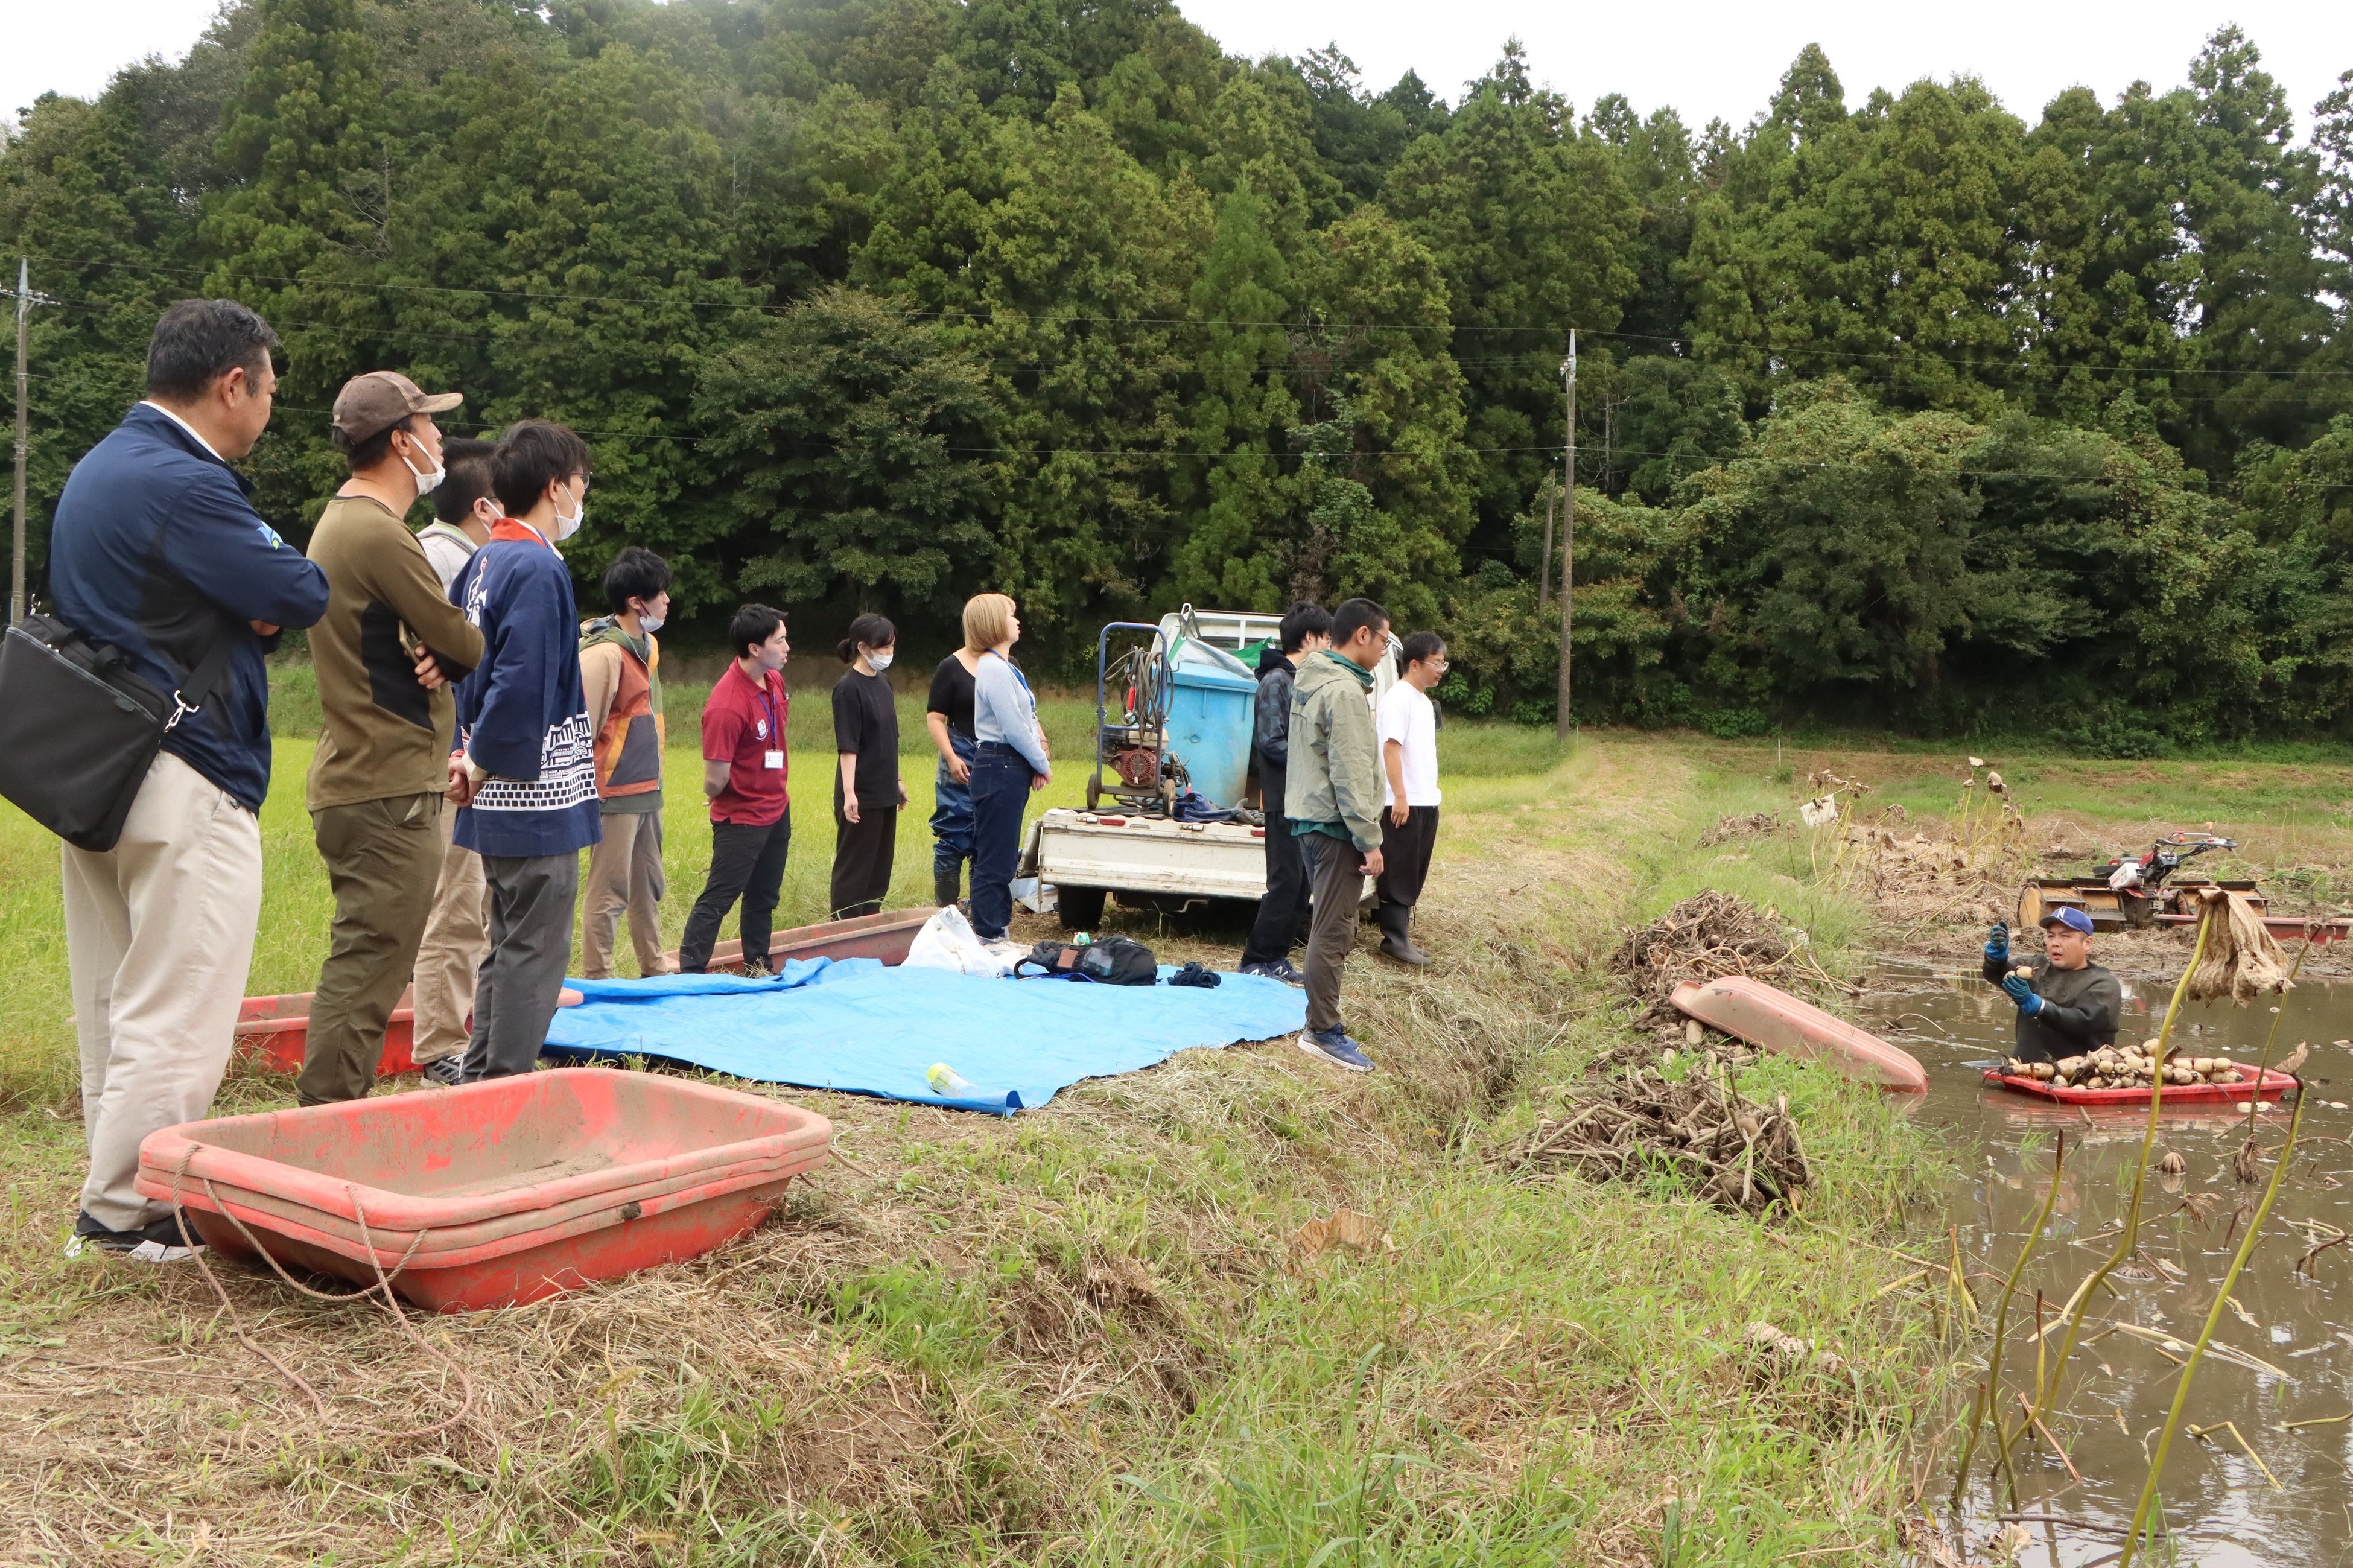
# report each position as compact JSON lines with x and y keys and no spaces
{"x":1910,"y":412}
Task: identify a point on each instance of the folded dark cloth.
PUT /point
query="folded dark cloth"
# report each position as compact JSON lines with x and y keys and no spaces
{"x":1193,"y":975}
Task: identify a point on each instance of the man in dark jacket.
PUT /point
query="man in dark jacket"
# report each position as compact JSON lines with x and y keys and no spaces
{"x":526,"y":771}
{"x":156,"y":549}
{"x":1282,"y":912}
{"x":2070,"y":1004}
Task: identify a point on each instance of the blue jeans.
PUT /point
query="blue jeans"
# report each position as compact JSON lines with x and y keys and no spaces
{"x":1000,"y":794}
{"x":952,"y":814}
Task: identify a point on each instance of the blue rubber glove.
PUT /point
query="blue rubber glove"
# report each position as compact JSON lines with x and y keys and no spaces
{"x":1998,"y":944}
{"x":2022,"y":993}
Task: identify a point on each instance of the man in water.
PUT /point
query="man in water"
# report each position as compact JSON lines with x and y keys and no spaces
{"x":2070,"y":1004}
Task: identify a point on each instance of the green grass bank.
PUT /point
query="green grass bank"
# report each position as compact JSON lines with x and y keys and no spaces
{"x":1086,"y":1335}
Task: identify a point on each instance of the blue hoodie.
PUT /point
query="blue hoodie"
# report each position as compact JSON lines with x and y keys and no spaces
{"x":156,"y":549}
{"x":523,"y":713}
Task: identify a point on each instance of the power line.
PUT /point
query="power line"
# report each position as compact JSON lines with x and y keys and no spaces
{"x":1532,"y":359}
{"x":1053,"y":318}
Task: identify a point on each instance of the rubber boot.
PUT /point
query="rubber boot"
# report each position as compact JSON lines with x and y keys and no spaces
{"x":1396,"y":919}
{"x":943,"y":888}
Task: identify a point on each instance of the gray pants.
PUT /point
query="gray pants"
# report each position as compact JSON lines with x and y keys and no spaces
{"x":532,"y":900}
{"x":624,"y":873}
{"x":1338,"y":870}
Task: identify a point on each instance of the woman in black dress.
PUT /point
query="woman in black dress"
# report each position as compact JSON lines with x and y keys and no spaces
{"x":867,"y":791}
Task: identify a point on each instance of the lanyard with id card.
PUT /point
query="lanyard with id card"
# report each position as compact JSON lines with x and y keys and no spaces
{"x":773,"y":758}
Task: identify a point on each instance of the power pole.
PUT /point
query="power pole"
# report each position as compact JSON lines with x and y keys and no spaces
{"x":1543,"y":567}
{"x":1568,"y":538}
{"x":17,"y":550}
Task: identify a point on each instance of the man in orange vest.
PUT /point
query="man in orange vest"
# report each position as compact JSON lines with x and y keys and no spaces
{"x":620,"y":669}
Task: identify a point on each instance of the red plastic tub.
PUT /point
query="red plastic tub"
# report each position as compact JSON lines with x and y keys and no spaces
{"x":275,"y":1029}
{"x":519,"y":1187}
{"x":1768,"y":1017}
{"x":2274,"y":1085}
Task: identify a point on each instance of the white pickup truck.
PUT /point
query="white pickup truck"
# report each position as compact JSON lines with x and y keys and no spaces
{"x":1148,"y":859}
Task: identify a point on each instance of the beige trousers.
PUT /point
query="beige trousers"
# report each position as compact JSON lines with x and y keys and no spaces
{"x":625,"y":872}
{"x":457,"y":937}
{"x":159,"y":936}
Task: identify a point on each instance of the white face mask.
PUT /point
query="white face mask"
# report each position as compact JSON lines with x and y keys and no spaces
{"x":649,"y":623}
{"x":565,"y":527}
{"x":427,"y":483}
{"x":879,"y":662}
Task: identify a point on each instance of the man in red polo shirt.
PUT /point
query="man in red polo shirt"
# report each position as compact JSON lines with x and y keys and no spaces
{"x":744,"y":773}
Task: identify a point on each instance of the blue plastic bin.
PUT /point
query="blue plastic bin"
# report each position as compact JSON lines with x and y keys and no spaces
{"x":1209,"y":716}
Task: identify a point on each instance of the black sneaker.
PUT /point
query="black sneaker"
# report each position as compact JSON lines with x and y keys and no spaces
{"x":1277,"y":969}
{"x":159,"y":1241}
{"x":447,"y":1071}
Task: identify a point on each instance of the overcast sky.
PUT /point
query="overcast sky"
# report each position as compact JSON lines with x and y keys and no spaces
{"x":1707,"y":58}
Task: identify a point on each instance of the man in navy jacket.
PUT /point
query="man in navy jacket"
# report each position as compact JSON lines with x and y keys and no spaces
{"x":526,"y":771}
{"x":156,"y":549}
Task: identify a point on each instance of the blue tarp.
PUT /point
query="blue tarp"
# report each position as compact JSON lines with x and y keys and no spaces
{"x":855,"y":1024}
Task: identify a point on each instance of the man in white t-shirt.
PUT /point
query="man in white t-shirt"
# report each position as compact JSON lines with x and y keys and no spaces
{"x":1407,"y":726}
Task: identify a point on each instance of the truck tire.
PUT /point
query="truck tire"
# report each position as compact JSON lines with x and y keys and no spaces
{"x":1082,"y":908}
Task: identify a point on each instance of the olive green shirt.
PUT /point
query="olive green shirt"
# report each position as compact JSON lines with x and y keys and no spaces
{"x":381,"y":734}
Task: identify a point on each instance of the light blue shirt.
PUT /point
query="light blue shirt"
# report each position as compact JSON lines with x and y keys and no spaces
{"x":1003,"y":709}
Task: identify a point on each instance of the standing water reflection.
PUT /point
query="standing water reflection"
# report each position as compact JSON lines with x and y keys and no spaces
{"x":2285,"y":1381}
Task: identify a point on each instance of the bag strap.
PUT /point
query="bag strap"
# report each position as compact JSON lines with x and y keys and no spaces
{"x":190,"y":698}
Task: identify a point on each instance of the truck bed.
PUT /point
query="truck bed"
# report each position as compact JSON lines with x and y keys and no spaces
{"x":1151,"y":855}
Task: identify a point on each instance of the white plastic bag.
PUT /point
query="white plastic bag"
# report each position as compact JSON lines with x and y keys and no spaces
{"x":949,"y":941}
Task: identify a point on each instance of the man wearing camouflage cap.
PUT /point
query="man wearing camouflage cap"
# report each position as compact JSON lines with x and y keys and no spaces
{"x":384,"y":654}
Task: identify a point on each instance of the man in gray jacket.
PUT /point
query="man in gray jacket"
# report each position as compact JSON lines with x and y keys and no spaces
{"x":1333,"y":796}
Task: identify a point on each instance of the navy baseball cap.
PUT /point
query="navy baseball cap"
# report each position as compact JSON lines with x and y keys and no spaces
{"x":2072,"y":918}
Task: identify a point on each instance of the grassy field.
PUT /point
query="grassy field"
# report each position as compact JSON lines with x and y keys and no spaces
{"x":1083,"y":1336}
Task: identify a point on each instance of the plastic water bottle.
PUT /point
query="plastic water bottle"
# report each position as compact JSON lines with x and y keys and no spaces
{"x":946,"y":1082}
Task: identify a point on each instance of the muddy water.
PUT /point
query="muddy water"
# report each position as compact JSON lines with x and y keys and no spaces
{"x":2227,"y":1511}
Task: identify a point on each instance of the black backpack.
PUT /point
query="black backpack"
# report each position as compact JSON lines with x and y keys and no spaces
{"x":1110,"y":961}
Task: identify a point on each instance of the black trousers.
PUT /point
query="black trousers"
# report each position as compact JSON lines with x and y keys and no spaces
{"x":1404,"y":856}
{"x":862,"y":852}
{"x":747,"y":862}
{"x":1282,"y":912}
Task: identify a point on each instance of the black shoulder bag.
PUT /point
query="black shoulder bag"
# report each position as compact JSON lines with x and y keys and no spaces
{"x":78,"y":728}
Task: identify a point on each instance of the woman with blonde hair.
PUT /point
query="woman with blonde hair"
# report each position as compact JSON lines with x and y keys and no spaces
{"x":948,"y":717}
{"x":1010,"y":760}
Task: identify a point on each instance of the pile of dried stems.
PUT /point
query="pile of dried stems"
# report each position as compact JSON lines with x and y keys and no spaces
{"x":1756,"y":824}
{"x":1705,"y":937}
{"x":1744,"y":1156}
